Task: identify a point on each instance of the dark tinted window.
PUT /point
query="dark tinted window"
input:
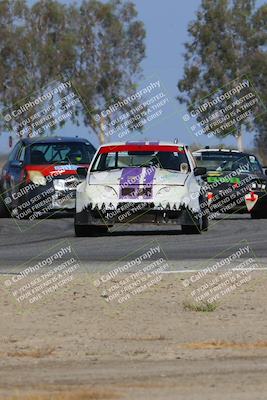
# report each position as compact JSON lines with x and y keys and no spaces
{"x":222,"y":161}
{"x":21,"y":154}
{"x":75,"y":153}
{"x":14,"y":152}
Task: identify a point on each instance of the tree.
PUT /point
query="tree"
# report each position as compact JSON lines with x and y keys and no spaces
{"x":12,"y":55}
{"x":260,"y":65}
{"x":98,"y":46}
{"x":110,"y":50}
{"x":227,"y":44}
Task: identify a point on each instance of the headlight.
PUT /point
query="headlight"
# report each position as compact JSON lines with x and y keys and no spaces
{"x":59,"y":184}
{"x":165,"y":189}
{"x":37,"y":178}
{"x":109,"y":190}
{"x":258,"y":185}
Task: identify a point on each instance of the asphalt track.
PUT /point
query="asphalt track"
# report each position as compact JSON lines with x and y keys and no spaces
{"x":22,"y":240}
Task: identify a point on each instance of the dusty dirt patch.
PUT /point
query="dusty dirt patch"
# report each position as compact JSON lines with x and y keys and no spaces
{"x":223,"y":345}
{"x":148,"y":348}
{"x":86,"y":394}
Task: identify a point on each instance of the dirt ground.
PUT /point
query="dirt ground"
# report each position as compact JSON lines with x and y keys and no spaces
{"x":76,"y":345}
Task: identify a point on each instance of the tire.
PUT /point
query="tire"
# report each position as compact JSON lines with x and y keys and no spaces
{"x":89,"y":230}
{"x":82,"y":230}
{"x":190,"y":230}
{"x":205,"y":224}
{"x":205,"y":212}
{"x":4,"y":213}
{"x":258,"y":214}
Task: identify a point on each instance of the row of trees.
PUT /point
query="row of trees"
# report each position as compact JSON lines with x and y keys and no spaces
{"x":99,"y":46}
{"x":228,"y":40}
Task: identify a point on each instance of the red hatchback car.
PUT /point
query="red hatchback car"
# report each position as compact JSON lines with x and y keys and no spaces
{"x":40,"y":176}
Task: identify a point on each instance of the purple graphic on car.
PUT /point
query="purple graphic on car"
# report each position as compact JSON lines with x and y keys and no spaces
{"x":148,"y":182}
{"x":131,"y":186}
{"x":129,"y":183}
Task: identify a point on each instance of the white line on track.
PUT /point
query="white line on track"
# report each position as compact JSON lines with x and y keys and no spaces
{"x":186,"y":271}
{"x":198,"y":270}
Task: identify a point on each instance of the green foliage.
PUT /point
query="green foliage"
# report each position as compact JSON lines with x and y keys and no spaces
{"x":98,"y":46}
{"x":227,"y":41}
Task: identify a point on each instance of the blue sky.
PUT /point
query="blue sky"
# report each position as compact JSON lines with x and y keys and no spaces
{"x":166,"y":24}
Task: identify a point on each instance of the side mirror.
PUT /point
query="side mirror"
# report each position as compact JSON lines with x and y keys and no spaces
{"x":199,"y":171}
{"x":82,"y":171}
{"x":16,"y":163}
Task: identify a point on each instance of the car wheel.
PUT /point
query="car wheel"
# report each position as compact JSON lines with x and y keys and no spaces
{"x":190,"y":230}
{"x":4,"y":213}
{"x":89,"y":230}
{"x":82,"y":230}
{"x":205,"y":223}
{"x":258,"y":214}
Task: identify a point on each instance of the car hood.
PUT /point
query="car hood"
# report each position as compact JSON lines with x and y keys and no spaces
{"x":138,"y":176}
{"x":55,"y":170}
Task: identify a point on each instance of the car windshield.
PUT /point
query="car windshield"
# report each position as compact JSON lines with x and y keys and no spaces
{"x":228,"y":162}
{"x":171,"y":160}
{"x":74,"y":153}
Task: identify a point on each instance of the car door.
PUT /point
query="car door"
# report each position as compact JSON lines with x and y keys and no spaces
{"x":16,"y":172}
{"x":7,"y":169}
{"x":12,"y":171}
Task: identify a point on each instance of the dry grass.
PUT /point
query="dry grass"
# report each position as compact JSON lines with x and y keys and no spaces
{"x":85,"y":394}
{"x":201,"y":307}
{"x":143,"y":338}
{"x":223,"y":345}
{"x":34,"y":353}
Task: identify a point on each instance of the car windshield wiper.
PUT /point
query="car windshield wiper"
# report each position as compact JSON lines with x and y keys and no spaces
{"x":106,"y":169}
{"x":62,"y":162}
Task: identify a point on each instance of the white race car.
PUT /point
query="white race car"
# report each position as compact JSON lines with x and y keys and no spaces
{"x":141,"y":182}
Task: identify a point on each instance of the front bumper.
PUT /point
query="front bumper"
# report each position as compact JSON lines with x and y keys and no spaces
{"x":127,"y":213}
{"x":226,"y":205}
{"x":63,"y":200}
{"x":37,"y":201}
{"x":261,"y":203}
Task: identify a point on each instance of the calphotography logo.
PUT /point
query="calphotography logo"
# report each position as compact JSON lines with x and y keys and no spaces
{"x":45,"y":191}
{"x":44,"y":276}
{"x":141,"y":272}
{"x":146,"y":107}
{"x":225,"y":110}
{"x":212,"y":284}
{"x":44,"y":110}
